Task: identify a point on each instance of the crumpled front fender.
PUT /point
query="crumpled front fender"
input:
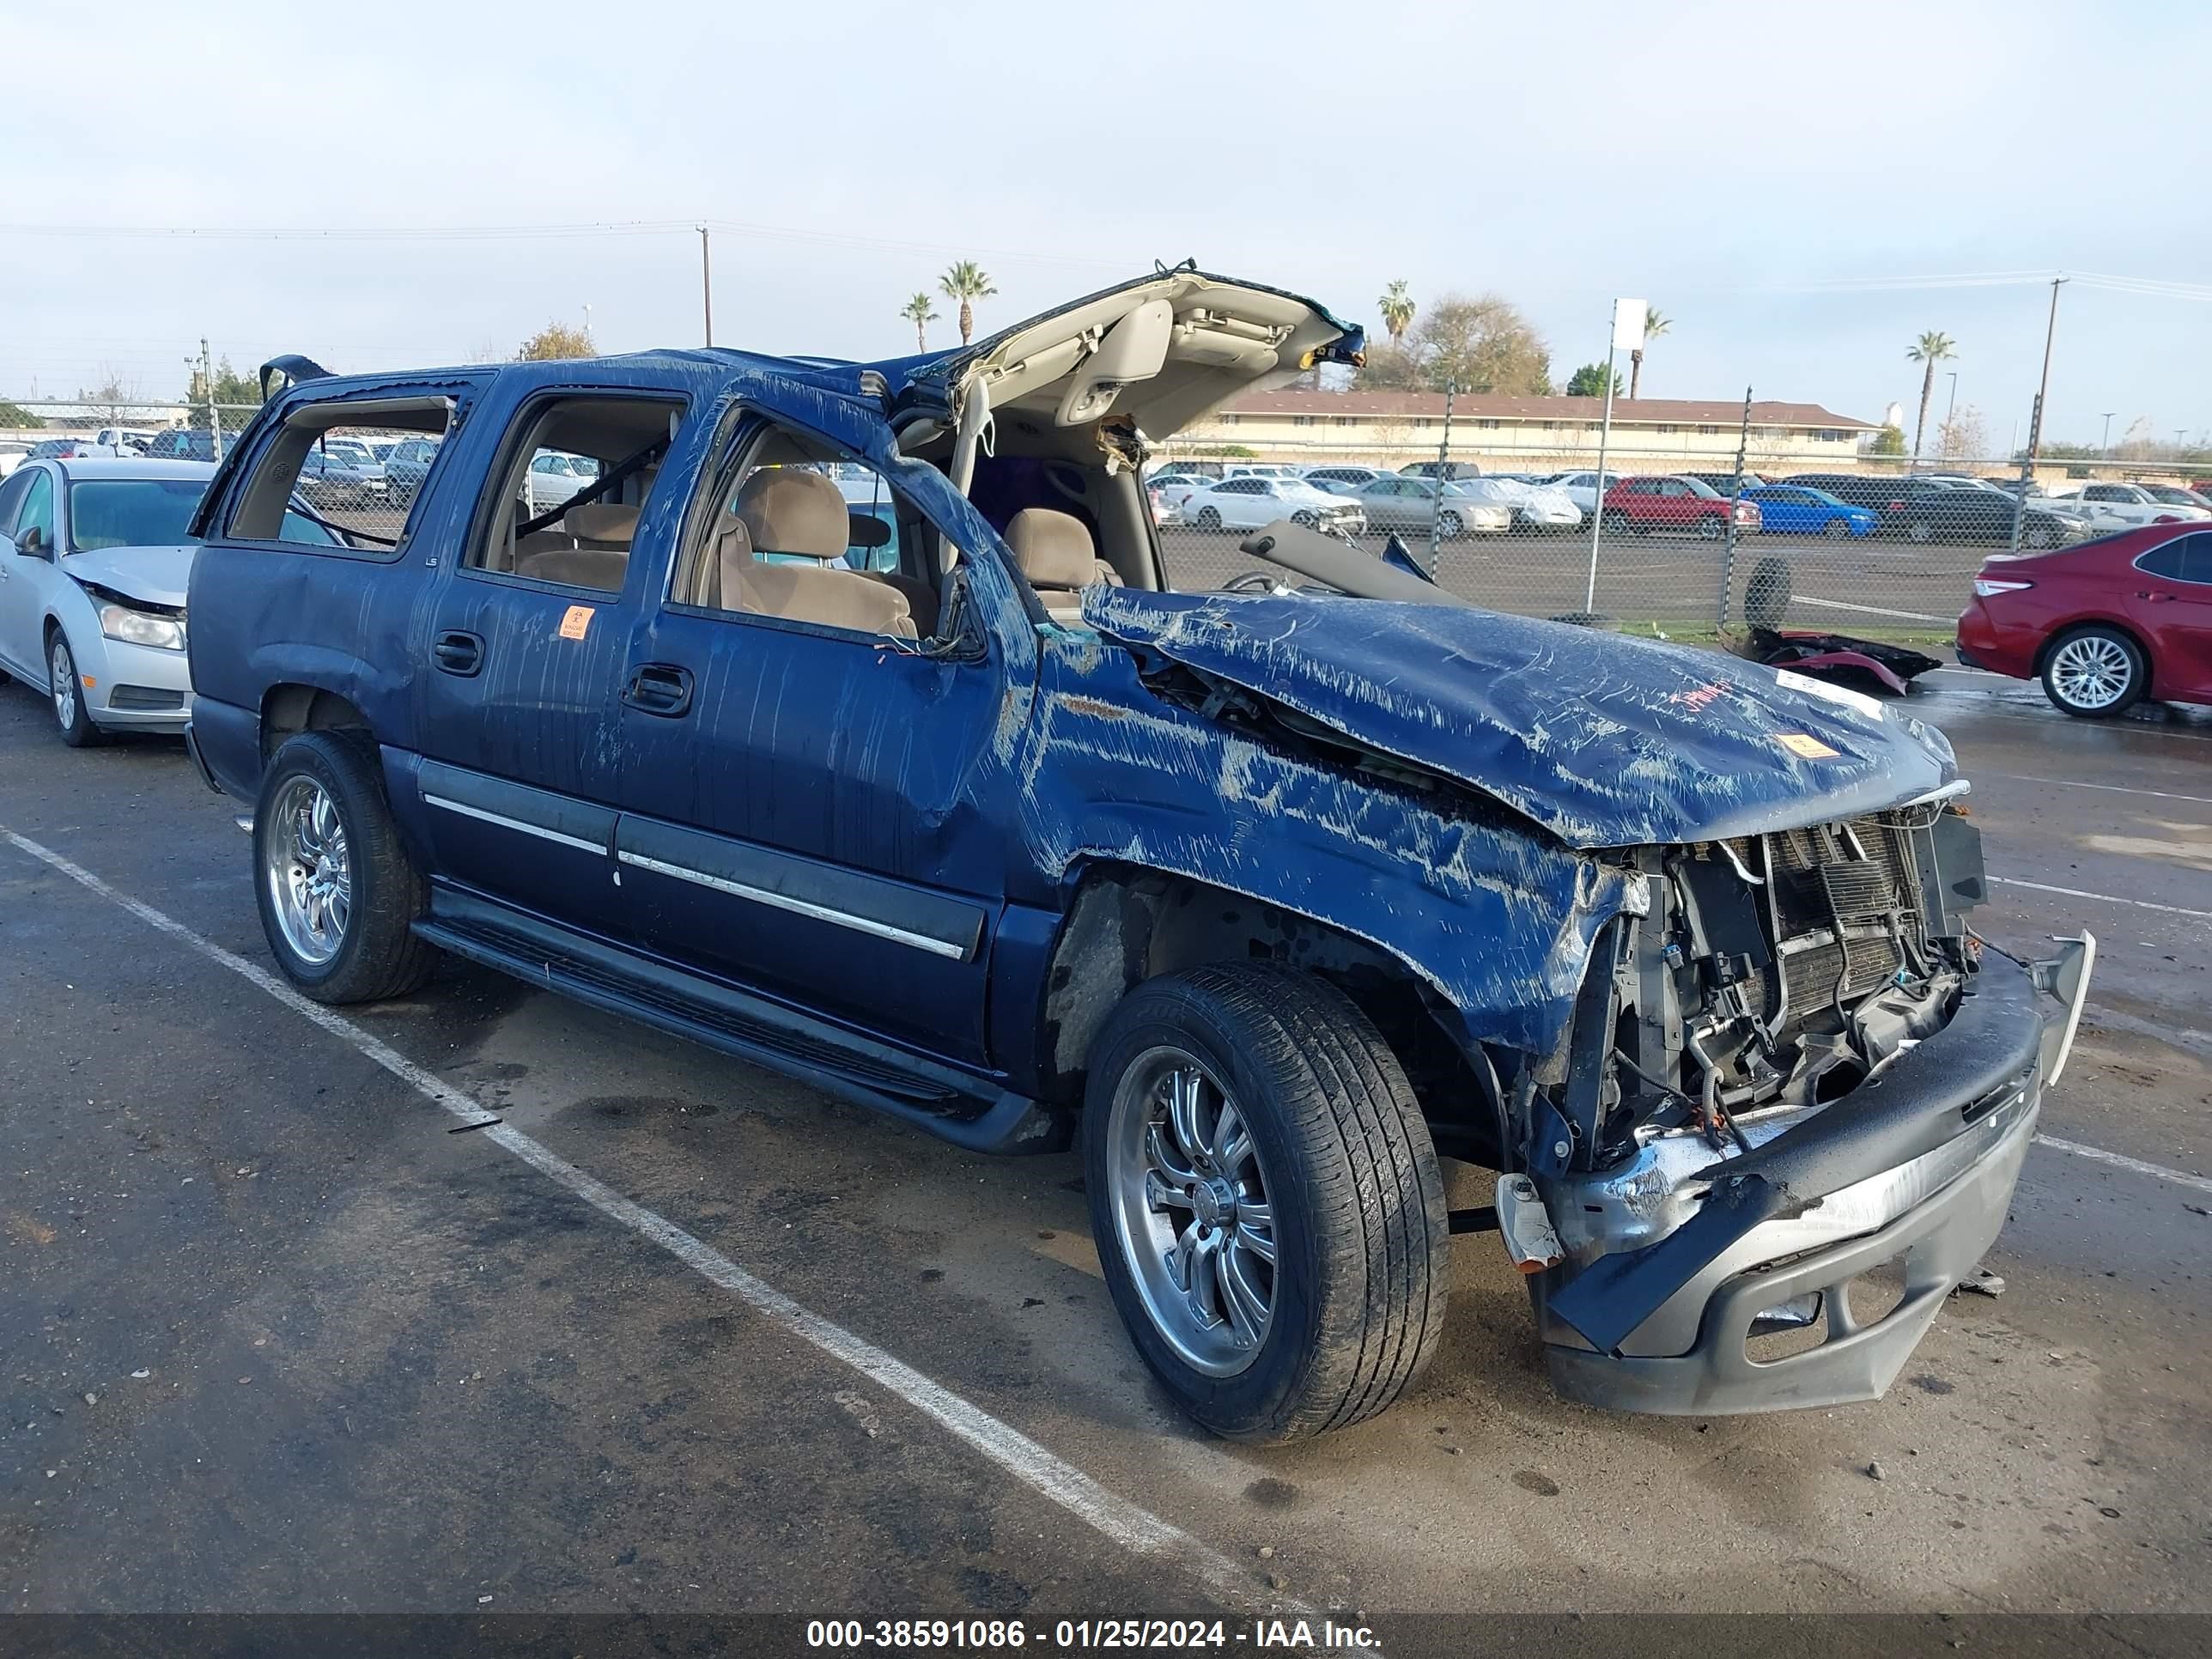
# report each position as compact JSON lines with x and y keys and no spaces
{"x":1495,"y":915}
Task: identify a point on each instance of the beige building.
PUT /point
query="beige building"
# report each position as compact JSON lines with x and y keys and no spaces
{"x":1525,"y":434}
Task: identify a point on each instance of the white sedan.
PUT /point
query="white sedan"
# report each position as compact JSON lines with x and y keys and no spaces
{"x":93,"y":563}
{"x":554,"y":476}
{"x":1176,"y":488}
{"x":1534,"y":508}
{"x":2113,"y":507}
{"x":1250,"y":503}
{"x":1580,"y":488}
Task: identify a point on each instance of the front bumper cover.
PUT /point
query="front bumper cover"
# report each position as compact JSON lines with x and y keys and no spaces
{"x":1914,"y":1169}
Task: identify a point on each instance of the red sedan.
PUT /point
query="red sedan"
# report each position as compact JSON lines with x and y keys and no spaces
{"x":2101,"y":624}
{"x":1674,"y":503}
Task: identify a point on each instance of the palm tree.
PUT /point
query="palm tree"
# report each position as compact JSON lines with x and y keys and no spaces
{"x":1396,"y":307}
{"x":966,"y":283}
{"x":1930,"y":348}
{"x":1655,"y":324}
{"x":917,"y":310}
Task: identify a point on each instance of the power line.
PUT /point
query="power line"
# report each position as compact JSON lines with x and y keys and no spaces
{"x":552,"y":231}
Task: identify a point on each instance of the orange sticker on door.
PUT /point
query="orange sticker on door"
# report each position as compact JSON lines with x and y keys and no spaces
{"x":1805,"y":747}
{"x":577,"y":622}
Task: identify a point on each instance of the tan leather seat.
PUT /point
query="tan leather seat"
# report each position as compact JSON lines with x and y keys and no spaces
{"x":1056,"y":554}
{"x":789,"y":511}
{"x":577,"y":566}
{"x":590,"y":550}
{"x":607,"y":524}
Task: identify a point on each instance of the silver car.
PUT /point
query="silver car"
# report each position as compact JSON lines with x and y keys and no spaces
{"x":1394,"y":502}
{"x":93,"y":563}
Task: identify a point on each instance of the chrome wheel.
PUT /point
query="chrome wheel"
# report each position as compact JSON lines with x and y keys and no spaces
{"x":306,"y":869}
{"x":2092,"y":671}
{"x":61,"y":673}
{"x":1192,"y":1213}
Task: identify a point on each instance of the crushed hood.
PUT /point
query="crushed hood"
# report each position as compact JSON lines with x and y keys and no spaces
{"x":151,"y":576}
{"x":1603,"y":740}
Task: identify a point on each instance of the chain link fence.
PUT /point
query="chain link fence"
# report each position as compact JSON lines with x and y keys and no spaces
{"x":358,"y":480}
{"x":1843,"y":542}
{"x":1681,"y":539}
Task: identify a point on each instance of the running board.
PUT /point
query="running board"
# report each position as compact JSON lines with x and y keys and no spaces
{"x":964,"y":1110}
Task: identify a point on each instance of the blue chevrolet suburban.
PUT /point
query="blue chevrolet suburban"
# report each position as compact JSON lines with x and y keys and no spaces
{"x":846,"y":718}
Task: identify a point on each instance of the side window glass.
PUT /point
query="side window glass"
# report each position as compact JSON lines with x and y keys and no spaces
{"x":11,"y":496}
{"x":2196,"y":559}
{"x":562,"y":506}
{"x":318,"y":481}
{"x":2185,"y":559}
{"x":37,"y":512}
{"x":804,"y":533}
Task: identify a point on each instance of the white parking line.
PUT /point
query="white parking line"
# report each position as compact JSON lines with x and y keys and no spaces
{"x":2132,"y":1165}
{"x":1127,"y":1523}
{"x":1869,"y":610}
{"x":2109,"y":788}
{"x":2104,"y":898}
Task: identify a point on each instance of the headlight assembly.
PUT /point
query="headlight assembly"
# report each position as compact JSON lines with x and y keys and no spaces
{"x":121,"y":623}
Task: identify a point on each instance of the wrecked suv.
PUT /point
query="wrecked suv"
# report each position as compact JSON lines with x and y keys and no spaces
{"x":846,"y":720}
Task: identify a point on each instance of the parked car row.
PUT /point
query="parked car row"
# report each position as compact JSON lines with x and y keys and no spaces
{"x":1919,"y":507}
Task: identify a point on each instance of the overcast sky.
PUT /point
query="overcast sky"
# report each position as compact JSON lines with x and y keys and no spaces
{"x":1722,"y":160}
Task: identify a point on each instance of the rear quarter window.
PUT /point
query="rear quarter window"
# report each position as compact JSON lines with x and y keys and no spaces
{"x":326,"y":478}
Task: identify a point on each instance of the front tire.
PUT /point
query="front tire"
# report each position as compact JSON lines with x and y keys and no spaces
{"x":66,"y":689}
{"x":1209,"y":521}
{"x":338,"y":892}
{"x":1450,"y":526}
{"x":1837,"y":530}
{"x":1265,"y":1199}
{"x":2095,"y":673}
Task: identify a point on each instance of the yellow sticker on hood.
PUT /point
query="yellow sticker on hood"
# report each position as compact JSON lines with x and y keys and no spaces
{"x":1804,"y":746}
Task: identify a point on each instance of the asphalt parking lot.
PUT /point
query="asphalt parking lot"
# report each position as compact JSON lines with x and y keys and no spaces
{"x":283,"y":1333}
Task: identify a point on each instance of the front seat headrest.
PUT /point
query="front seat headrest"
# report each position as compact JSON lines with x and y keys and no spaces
{"x":787,"y":509}
{"x":1052,"y":548}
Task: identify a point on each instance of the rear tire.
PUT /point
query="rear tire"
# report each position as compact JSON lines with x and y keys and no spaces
{"x":337,"y":892}
{"x":1837,"y":530}
{"x":1209,"y":521}
{"x":1347,"y":1272}
{"x":2094,"y":672}
{"x":65,"y":694}
{"x":1920,"y":531}
{"x":1709,"y":528}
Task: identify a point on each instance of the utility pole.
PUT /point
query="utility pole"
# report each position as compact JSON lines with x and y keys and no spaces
{"x":1622,"y":316}
{"x":1736,"y":495}
{"x":1952,"y":407}
{"x":2043,"y":392}
{"x":215,"y":413}
{"x":2105,"y":447}
{"x":588,"y":320}
{"x":1443,"y":477}
{"x":707,"y":283}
